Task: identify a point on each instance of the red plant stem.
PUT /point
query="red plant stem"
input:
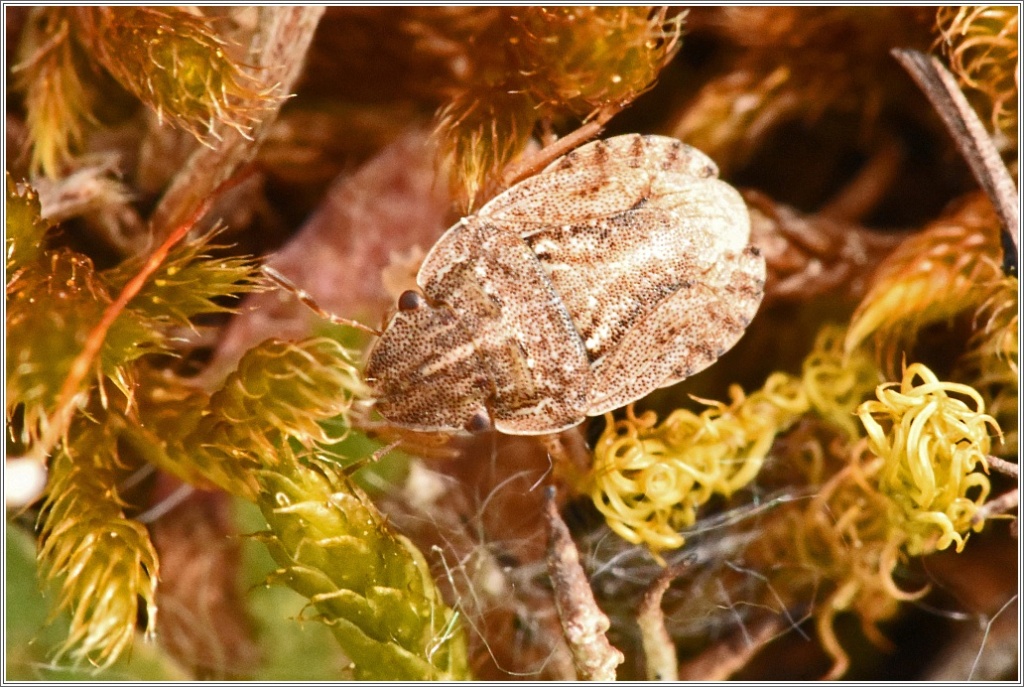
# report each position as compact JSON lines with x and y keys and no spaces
{"x":522,"y":169}
{"x":84,"y":361}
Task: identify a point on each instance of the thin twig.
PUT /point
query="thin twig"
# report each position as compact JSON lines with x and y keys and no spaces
{"x":1005,"y":502}
{"x":1003,"y":466}
{"x":725,"y":657}
{"x":583,"y":623}
{"x":534,"y":163}
{"x":970,"y":135}
{"x":659,"y":649}
{"x":997,"y":506}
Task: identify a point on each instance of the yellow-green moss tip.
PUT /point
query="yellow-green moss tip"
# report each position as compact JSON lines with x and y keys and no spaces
{"x":43,"y":342}
{"x":536,"y":64}
{"x":479,"y":136}
{"x":648,"y":478}
{"x":102,"y":564}
{"x":944,"y":270}
{"x":848,"y":537}
{"x":910,"y":488}
{"x":173,"y":61}
{"x":189,"y":283}
{"x":281,"y":392}
{"x":990,"y":362}
{"x":583,"y":58}
{"x":26,"y":229}
{"x":932,"y":442}
{"x":836,"y":382}
{"x":50,"y":73}
{"x":169,"y":58}
{"x":370,"y":585}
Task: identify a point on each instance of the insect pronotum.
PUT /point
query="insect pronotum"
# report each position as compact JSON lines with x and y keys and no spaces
{"x":622,"y":267}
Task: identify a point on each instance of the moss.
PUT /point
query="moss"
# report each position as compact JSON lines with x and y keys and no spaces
{"x":842,"y":442}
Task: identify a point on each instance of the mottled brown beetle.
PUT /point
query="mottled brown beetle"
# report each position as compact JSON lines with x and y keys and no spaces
{"x":623,"y":267}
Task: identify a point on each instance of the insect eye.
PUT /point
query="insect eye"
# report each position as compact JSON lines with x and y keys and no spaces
{"x":480,"y":422}
{"x":410,"y":300}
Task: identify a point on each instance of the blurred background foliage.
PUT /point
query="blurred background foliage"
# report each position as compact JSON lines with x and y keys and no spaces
{"x":197,"y":485}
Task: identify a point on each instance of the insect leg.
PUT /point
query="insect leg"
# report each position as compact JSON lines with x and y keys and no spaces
{"x":307,"y":299}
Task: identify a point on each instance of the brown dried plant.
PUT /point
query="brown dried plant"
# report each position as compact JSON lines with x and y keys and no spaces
{"x":981,"y":44}
{"x":540,"y":65}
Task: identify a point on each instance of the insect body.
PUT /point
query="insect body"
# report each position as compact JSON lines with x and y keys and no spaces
{"x":623,"y":267}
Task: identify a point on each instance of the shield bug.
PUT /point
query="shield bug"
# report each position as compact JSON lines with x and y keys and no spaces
{"x":622,"y":267}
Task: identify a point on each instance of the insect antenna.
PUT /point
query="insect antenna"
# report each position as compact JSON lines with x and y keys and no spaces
{"x":307,"y":299}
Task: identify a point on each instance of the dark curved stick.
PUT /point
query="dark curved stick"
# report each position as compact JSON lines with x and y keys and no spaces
{"x":970,"y":136}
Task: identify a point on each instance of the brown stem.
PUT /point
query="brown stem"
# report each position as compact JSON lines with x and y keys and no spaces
{"x":659,"y":649}
{"x":997,"y":506}
{"x":1004,"y":466}
{"x":534,"y":163}
{"x":969,"y":134}
{"x":583,"y":623}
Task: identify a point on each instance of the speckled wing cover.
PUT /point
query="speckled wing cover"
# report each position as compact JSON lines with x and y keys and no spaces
{"x":621,"y":268}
